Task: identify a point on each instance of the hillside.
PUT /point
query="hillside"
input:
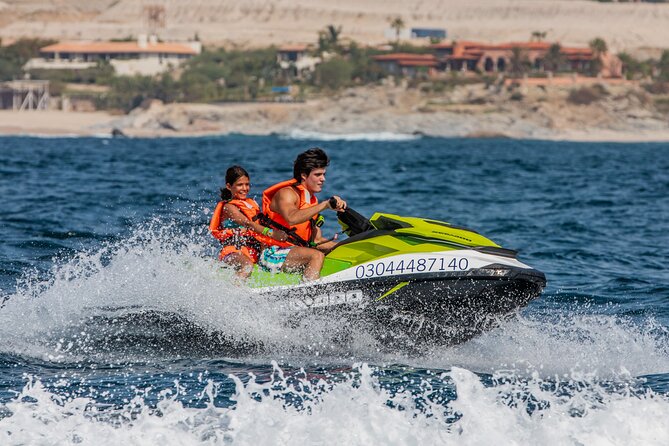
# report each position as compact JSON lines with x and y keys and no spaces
{"x":261,"y":22}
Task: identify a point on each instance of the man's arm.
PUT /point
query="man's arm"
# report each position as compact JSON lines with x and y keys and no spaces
{"x":285,"y":203}
{"x":323,"y":244}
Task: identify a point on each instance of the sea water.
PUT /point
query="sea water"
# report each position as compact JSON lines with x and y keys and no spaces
{"x":117,"y":323}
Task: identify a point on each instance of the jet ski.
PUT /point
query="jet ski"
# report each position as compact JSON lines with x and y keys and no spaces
{"x":411,"y":281}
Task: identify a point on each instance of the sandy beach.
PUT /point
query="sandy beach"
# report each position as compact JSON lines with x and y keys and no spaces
{"x":53,"y":123}
{"x":625,"y":112}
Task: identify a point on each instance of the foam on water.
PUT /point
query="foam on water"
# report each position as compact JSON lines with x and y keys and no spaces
{"x":319,"y":136}
{"x":86,"y":303}
{"x":161,"y":292}
{"x":557,"y":344}
{"x":356,"y":410}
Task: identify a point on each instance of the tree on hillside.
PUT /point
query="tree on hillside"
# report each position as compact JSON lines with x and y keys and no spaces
{"x":599,"y":48}
{"x":554,"y":58}
{"x":365,"y":69}
{"x":13,"y":57}
{"x":335,"y":73}
{"x":520,"y":63}
{"x":398,"y":25}
{"x":663,"y":66}
{"x":328,"y":39}
{"x":634,"y":68}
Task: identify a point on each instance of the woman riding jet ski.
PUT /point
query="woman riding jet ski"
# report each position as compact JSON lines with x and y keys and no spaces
{"x":246,"y":242}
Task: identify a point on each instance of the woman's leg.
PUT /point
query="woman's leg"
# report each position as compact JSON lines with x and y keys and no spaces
{"x":241,"y":263}
{"x":307,"y":259}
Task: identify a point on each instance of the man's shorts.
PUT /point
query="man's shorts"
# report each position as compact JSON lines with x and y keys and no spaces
{"x":272,"y":258}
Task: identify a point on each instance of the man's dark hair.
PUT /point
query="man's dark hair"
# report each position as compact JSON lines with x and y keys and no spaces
{"x":314,"y":158}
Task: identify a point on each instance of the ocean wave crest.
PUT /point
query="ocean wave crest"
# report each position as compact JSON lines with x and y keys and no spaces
{"x":377,"y":136}
{"x":357,"y":408}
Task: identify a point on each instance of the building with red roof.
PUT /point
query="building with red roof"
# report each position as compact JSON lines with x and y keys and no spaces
{"x":146,"y":56}
{"x":408,"y":64}
{"x":481,"y":57}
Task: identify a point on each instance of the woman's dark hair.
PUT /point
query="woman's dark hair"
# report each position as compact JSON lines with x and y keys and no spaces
{"x":231,"y":175}
{"x":314,"y":158}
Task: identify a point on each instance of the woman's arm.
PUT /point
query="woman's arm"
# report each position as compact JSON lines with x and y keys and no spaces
{"x":233,"y":213}
{"x":215,"y":223}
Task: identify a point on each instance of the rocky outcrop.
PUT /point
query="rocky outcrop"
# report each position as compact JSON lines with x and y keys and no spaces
{"x":470,"y":110}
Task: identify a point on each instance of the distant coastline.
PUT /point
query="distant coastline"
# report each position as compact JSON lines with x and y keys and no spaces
{"x":624,"y":112}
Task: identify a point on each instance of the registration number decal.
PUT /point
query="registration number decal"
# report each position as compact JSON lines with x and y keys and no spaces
{"x":407,"y":266}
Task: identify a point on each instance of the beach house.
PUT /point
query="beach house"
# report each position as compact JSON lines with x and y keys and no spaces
{"x":475,"y":56}
{"x":296,"y":61}
{"x":408,"y":64}
{"x":466,"y":56}
{"x":145,"y":56}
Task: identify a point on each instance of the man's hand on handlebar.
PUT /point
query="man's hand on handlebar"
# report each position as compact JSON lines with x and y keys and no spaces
{"x":337,"y":204}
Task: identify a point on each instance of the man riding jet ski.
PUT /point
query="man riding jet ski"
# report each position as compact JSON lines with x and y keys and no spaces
{"x":411,"y":280}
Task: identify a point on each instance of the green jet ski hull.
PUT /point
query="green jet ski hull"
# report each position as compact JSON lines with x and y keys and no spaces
{"x":411,"y":282}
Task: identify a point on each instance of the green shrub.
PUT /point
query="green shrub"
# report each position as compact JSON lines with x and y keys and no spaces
{"x":334,"y":74}
{"x":101,"y":74}
{"x":634,"y":68}
{"x":13,"y":57}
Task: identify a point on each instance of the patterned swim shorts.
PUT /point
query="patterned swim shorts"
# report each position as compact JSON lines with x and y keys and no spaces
{"x":272,"y":258}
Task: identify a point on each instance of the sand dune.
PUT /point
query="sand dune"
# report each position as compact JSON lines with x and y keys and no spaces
{"x":260,"y":22}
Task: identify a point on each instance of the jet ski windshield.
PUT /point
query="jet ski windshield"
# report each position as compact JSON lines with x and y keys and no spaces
{"x":352,"y":223}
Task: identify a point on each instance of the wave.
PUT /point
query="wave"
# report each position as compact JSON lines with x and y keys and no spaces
{"x":319,"y":136}
{"x":358,"y":408}
{"x":160,"y":291}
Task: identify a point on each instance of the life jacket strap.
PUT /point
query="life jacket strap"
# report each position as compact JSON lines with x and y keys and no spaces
{"x":292,"y":235}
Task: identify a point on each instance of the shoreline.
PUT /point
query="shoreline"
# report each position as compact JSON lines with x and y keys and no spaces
{"x":385,"y":112}
{"x":576,"y":137}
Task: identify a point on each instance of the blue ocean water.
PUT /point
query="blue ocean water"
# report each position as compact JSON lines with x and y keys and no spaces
{"x":92,"y":224}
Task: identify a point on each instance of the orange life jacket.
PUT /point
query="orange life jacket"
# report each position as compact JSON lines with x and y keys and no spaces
{"x":304,"y":230}
{"x":240,"y":238}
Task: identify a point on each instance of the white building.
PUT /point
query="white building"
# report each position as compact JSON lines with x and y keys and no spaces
{"x":296,"y":60}
{"x":146,"y":56}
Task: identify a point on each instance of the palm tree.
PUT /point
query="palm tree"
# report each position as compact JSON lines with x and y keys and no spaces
{"x":599,"y":48}
{"x":328,"y":38}
{"x":397,"y":24}
{"x":519,"y":62}
{"x":554,"y":58}
{"x":333,"y":33}
{"x":538,"y":36}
